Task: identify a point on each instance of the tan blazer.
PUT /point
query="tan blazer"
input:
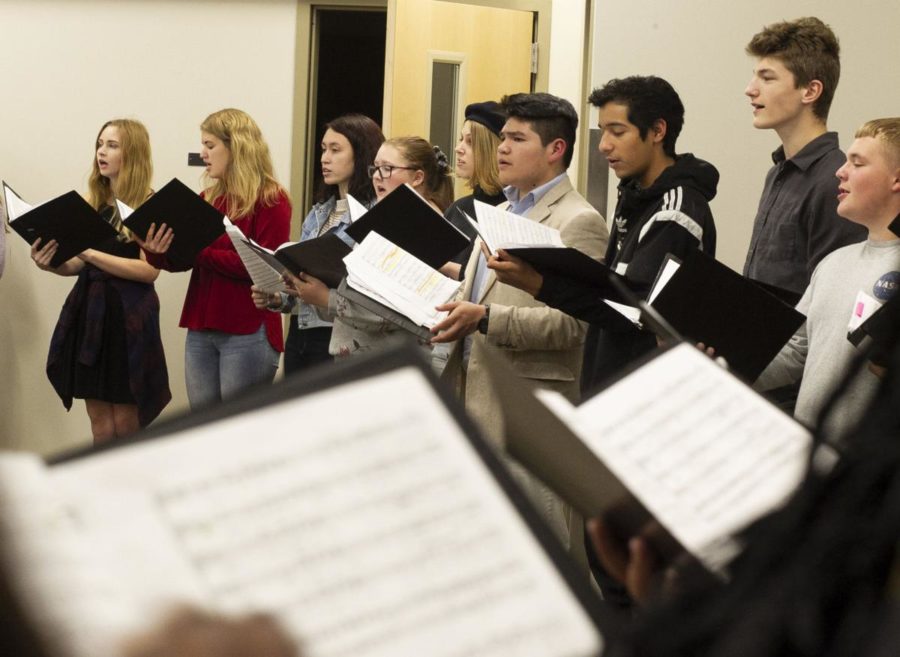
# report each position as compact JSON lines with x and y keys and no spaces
{"x":542,"y":344}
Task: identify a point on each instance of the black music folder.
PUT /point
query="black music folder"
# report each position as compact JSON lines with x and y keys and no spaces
{"x":707,"y":302}
{"x":677,"y":450}
{"x":571,"y":263}
{"x":322,"y":257}
{"x":355,"y":503}
{"x":895,"y":226}
{"x":405,"y":218}
{"x":68,"y":219}
{"x":194,"y":222}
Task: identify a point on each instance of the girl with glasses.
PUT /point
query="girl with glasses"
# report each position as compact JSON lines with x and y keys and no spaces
{"x":404,"y":160}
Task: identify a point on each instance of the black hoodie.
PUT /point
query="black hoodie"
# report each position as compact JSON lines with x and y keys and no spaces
{"x":670,"y":216}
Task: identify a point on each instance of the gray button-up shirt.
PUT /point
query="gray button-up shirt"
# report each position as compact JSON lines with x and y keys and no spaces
{"x":797,"y":222}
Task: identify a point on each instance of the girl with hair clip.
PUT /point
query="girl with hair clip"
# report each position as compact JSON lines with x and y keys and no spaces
{"x":106,"y":348}
{"x":230,"y":343}
{"x":476,"y":163}
{"x":349,"y":145}
{"x":403,"y":160}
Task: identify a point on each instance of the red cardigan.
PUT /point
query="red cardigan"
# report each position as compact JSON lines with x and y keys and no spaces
{"x":218,"y":295}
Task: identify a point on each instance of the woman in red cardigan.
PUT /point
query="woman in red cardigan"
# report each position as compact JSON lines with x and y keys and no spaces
{"x":230,"y":343}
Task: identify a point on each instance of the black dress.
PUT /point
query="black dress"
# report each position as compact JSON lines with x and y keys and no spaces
{"x":107,"y":344}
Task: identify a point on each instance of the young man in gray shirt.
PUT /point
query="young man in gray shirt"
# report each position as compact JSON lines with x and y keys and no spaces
{"x":793,"y":84}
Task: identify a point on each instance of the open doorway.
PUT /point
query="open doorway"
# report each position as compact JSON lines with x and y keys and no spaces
{"x":346,"y":72}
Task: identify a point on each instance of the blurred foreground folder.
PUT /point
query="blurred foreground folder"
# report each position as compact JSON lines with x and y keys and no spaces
{"x":356,"y":504}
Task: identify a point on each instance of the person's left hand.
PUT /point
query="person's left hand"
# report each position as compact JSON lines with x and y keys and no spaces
{"x":190,"y":632}
{"x":158,"y":239}
{"x":515,"y":272}
{"x":307,"y":288}
{"x":462,"y":321}
{"x":635,"y":565}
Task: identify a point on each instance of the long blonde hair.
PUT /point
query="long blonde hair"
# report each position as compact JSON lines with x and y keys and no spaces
{"x":485,"y":172}
{"x":136,"y":172}
{"x":250,"y":177}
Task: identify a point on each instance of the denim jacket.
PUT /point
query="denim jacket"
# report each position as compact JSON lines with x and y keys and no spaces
{"x":307,"y":317}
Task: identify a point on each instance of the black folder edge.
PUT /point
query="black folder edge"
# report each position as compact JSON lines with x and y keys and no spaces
{"x":399,"y":354}
{"x":69,"y":249}
{"x":383,"y":311}
{"x":326,"y":245}
{"x":698,"y":256}
{"x":628,"y":516}
{"x":179,"y":254}
{"x":569,"y":263}
{"x":895,"y":226}
{"x":607,"y":497}
{"x":448,"y":244}
{"x":880,"y":327}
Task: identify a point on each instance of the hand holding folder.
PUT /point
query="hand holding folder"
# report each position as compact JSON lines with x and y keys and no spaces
{"x":393,"y":531}
{"x":678,"y":451}
{"x":407,"y":220}
{"x":67,"y":219}
{"x":195,"y":224}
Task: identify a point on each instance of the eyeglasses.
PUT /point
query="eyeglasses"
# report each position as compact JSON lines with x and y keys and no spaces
{"x":385,"y":170}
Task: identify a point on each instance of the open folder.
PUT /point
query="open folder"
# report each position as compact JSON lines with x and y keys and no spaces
{"x":393,"y":284}
{"x":501,"y":229}
{"x":68,"y":219}
{"x":571,"y":263}
{"x":194,"y":222}
{"x":707,"y":302}
{"x":678,"y":450}
{"x":407,"y":220}
{"x":356,"y":504}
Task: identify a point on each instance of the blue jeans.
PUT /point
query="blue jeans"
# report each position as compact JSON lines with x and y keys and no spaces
{"x":217,"y":365}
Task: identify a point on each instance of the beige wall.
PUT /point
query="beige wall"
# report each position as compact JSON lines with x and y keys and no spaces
{"x":68,"y":66}
{"x":699,"y":47}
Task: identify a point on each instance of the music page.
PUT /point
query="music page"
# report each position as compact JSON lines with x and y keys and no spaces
{"x":360,"y":516}
{"x":501,"y":229}
{"x":704,"y":453}
{"x":263,"y":275}
{"x":15,"y":206}
{"x":387,"y":273}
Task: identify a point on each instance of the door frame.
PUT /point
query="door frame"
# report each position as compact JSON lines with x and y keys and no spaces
{"x":540,"y":9}
{"x":304,"y":51}
{"x":304,"y":132}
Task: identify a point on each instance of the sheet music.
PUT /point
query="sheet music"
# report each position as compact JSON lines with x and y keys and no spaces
{"x":357,"y":209}
{"x":704,"y":453}
{"x":69,"y":575}
{"x":629,"y":312}
{"x":15,"y":206}
{"x":392,"y":276}
{"x":501,"y":229}
{"x":668,"y":270}
{"x":125,"y":211}
{"x":263,"y":275}
{"x":374,"y":531}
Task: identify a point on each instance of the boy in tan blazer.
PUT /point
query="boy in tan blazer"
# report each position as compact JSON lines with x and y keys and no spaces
{"x":542,"y":344}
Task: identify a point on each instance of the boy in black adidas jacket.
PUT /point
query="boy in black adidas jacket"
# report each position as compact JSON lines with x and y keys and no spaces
{"x":663,"y":207}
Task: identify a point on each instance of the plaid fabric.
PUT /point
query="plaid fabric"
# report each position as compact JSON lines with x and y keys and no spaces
{"x":147,"y":372}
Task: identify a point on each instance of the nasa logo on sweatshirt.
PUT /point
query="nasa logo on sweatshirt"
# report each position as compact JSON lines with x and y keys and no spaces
{"x":885,"y":286}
